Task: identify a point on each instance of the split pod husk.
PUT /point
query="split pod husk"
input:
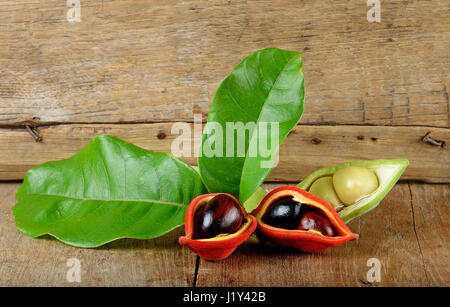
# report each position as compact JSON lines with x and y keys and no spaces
{"x":291,"y":217}
{"x":216,"y":224}
{"x":355,"y":188}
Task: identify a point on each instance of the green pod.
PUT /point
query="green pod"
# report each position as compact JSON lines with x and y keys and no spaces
{"x":254,"y":200}
{"x":387,"y":172}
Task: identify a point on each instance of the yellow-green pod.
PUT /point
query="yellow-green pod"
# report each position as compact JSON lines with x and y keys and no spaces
{"x":380,"y":175}
{"x":253,"y":201}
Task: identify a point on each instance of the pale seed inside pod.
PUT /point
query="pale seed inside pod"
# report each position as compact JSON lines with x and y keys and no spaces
{"x":323,"y":188}
{"x":352,"y":183}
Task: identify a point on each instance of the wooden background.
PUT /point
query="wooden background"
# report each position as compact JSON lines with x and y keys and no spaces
{"x":131,"y":68}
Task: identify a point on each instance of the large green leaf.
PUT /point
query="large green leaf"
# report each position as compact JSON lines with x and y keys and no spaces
{"x":110,"y":189}
{"x":266,"y":86}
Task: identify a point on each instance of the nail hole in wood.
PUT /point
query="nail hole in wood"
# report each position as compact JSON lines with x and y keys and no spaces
{"x":161,"y":135}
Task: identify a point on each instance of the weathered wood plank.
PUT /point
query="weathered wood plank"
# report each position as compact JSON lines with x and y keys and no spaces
{"x":306,"y":149}
{"x":43,"y":262}
{"x":432,"y":227}
{"x":387,"y":233}
{"x":408,"y":236}
{"x":152,"y":61}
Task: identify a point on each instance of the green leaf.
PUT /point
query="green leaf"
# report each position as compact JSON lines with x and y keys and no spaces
{"x":266,"y":87}
{"x":110,"y":189}
{"x":388,"y":173}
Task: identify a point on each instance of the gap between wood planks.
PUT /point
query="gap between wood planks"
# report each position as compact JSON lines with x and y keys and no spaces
{"x":197,"y":265}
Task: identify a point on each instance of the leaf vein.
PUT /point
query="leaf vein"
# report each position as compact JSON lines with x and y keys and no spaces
{"x":106,"y":199}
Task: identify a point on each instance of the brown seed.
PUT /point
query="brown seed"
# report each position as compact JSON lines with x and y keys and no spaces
{"x":221,"y":215}
{"x":315,"y":221}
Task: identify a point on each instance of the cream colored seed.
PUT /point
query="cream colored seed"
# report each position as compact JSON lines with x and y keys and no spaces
{"x":352,"y":183}
{"x":323,"y":188}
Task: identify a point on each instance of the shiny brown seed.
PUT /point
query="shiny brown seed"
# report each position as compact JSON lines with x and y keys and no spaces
{"x":220,"y":215}
{"x":312,"y":220}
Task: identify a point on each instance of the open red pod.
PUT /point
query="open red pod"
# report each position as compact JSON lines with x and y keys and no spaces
{"x":290,"y":216}
{"x":215,"y":225}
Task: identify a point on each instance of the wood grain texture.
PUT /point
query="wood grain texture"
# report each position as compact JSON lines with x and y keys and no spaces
{"x":407,"y":233}
{"x":390,"y":233}
{"x":305,"y":150}
{"x":154,"y":61}
{"x":133,"y":67}
{"x":43,"y":262}
{"x":432,"y":228}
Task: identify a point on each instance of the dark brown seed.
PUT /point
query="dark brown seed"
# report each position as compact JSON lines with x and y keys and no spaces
{"x":312,"y":220}
{"x":221,"y":215}
{"x":283,"y":213}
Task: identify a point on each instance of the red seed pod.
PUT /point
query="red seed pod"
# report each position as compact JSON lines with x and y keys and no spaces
{"x":215,"y":225}
{"x":318,"y":225}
